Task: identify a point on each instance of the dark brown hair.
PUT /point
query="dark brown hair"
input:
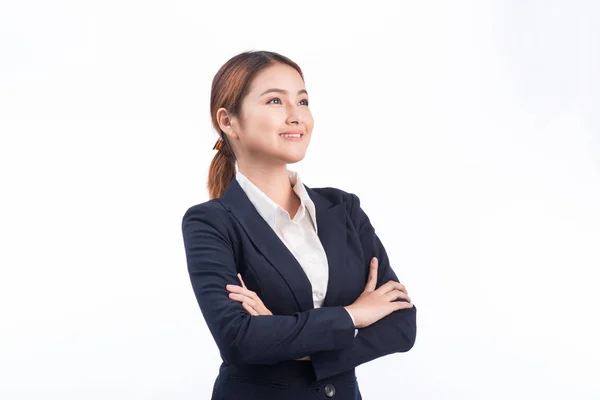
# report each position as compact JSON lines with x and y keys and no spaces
{"x":229,"y":87}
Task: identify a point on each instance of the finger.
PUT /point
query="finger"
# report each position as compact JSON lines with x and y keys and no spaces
{"x":256,"y":309}
{"x":400,"y":305}
{"x":250,"y":309}
{"x":397,"y":294}
{"x":241,"y":298}
{"x":402,"y":288}
{"x":241,"y":290}
{"x":234,"y":288}
{"x":391,"y":285}
{"x":250,"y":294}
{"x":241,"y":280}
{"x":263,"y":310}
{"x":238,"y":297}
{"x":372,"y":281}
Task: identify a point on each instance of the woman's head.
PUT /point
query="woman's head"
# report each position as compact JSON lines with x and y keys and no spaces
{"x":250,"y":117}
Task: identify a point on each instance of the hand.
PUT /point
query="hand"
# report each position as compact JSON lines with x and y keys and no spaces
{"x":249,"y":299}
{"x":372,"y":305}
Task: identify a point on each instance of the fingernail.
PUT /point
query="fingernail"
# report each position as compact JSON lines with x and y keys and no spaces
{"x":373,"y":260}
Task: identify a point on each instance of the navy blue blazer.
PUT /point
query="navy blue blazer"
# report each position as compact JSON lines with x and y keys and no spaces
{"x":226,"y":235}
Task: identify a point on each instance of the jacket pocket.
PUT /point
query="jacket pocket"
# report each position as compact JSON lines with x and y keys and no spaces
{"x":257,"y":382}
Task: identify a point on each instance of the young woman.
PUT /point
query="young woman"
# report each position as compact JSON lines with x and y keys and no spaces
{"x":294,"y":285}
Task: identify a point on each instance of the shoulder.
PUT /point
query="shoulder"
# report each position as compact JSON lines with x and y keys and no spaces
{"x":211,"y":212}
{"x":340,"y":196}
{"x":358,"y":216}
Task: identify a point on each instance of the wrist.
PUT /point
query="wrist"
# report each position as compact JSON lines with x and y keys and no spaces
{"x":347,"y":308}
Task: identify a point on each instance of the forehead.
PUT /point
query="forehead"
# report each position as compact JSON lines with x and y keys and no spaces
{"x":280,"y":76}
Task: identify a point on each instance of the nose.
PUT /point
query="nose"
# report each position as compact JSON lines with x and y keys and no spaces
{"x":294,"y":116}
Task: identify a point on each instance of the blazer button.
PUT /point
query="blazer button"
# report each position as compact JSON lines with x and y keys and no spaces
{"x":330,"y":390}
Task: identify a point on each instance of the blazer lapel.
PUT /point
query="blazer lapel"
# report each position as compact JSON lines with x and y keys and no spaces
{"x":331,"y":223}
{"x":332,"y":233}
{"x":268,"y":243}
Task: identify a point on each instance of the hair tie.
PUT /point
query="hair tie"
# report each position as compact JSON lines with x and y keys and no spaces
{"x":218,"y":145}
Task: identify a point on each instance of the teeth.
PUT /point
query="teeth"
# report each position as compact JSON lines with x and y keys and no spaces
{"x":294,"y":135}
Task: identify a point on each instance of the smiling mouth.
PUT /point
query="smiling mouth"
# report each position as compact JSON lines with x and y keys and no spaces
{"x":291,"y":135}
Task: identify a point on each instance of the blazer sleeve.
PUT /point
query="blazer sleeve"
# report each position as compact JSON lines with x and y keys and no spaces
{"x":241,"y":337}
{"x":394,"y":333}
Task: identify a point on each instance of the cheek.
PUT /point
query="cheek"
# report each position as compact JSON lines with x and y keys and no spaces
{"x":308,"y":121}
{"x":261,"y":131}
{"x":266,"y":123}
{"x":258,"y":122}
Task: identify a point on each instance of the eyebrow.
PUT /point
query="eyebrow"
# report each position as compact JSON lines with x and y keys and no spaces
{"x":281,"y":91}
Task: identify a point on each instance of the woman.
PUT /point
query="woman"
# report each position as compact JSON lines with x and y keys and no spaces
{"x":293,"y":283}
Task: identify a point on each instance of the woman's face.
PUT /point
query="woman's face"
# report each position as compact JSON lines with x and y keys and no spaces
{"x":276,"y":103}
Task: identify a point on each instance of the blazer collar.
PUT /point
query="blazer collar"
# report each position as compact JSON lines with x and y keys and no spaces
{"x":331,"y":220}
{"x":271,"y":211}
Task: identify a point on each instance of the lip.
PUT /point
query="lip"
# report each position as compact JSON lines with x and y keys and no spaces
{"x":291,"y":138}
{"x":293,"y":133}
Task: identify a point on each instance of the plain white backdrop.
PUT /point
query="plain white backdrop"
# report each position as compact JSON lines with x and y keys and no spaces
{"x":469,"y":129}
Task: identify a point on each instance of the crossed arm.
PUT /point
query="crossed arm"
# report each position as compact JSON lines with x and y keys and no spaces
{"x":255,"y":306}
{"x":326,"y":334}
{"x":250,"y":301}
{"x":240,"y":337}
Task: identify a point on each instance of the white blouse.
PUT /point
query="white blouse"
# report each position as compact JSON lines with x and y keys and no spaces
{"x":300,"y":234}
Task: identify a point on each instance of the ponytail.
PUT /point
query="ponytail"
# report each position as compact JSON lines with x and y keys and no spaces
{"x":222,"y":169}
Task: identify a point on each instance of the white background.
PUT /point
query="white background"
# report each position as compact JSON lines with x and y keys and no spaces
{"x":469,"y":129}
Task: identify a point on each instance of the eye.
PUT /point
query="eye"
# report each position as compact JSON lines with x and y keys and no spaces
{"x":305,"y":100}
{"x":275,"y":98}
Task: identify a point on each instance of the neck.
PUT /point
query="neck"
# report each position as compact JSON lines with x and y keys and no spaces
{"x":272,"y":181}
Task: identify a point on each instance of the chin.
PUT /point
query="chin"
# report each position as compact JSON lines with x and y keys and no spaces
{"x":292,"y":158}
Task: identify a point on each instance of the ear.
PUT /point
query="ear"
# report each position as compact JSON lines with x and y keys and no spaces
{"x":226,"y":122}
